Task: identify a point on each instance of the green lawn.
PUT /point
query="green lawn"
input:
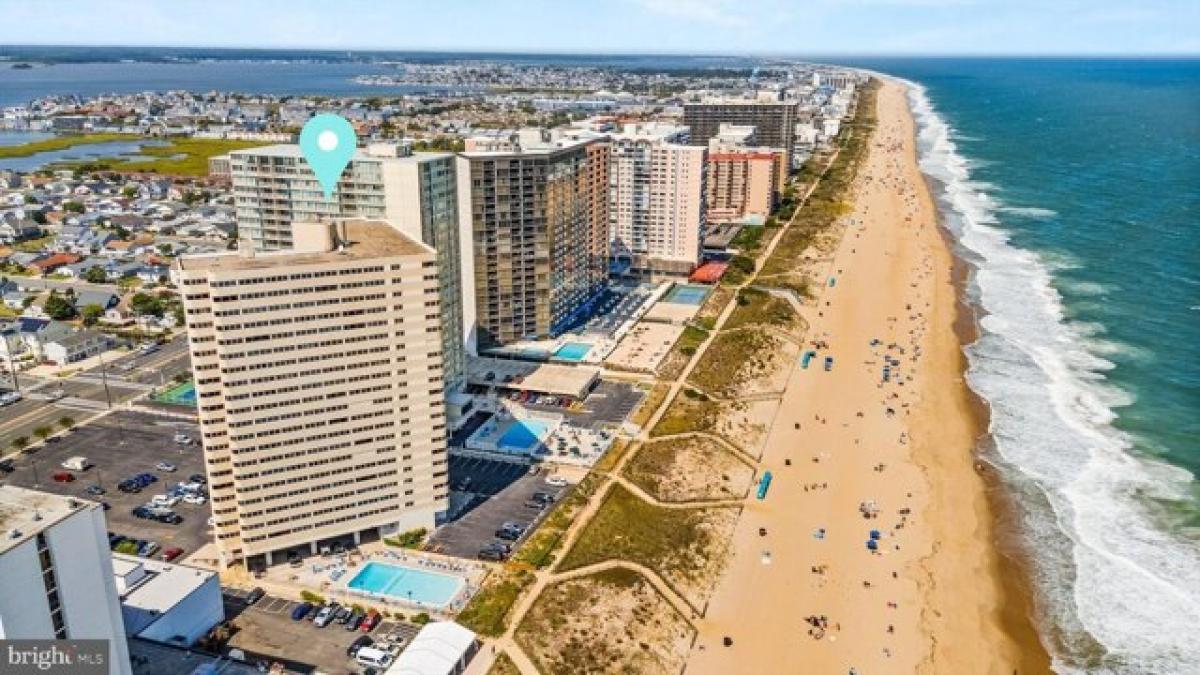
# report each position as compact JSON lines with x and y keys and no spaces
{"x":60,"y":143}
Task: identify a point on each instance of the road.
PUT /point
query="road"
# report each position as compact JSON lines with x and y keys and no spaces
{"x":127,"y":378}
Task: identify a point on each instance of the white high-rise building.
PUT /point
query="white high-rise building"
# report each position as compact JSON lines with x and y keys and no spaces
{"x":56,"y":574}
{"x":656,"y":196}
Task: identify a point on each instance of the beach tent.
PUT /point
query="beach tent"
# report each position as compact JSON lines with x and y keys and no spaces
{"x":763,"y":485}
{"x":875,"y":534}
{"x":808,"y":356}
{"x":872,"y":545}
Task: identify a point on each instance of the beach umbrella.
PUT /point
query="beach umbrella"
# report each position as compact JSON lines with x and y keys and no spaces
{"x":872,"y":545}
{"x":875,"y":534}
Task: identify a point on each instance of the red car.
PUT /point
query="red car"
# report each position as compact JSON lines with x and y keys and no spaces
{"x":63,"y":477}
{"x":370,"y":622}
{"x":172,"y":553}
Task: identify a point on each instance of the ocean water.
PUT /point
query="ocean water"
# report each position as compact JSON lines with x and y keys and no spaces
{"x":1072,"y":189}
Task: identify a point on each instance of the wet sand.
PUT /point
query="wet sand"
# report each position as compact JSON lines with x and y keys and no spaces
{"x":851,"y":453}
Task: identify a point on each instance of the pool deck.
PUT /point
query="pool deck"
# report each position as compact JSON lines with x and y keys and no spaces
{"x":314,"y":576}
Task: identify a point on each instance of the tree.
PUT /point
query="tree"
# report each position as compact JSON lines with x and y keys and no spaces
{"x":66,"y":422}
{"x":38,"y":217}
{"x":43,"y":432}
{"x":129,"y":191}
{"x":165,"y":249}
{"x":145,"y":304}
{"x":20,"y":443}
{"x":91,"y":314}
{"x":95,"y":275}
{"x":73,"y":207}
{"x":58,"y":308}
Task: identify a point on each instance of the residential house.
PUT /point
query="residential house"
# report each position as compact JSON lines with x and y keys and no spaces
{"x":76,"y":347}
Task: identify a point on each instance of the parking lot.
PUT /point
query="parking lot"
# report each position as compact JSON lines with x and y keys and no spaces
{"x":118,"y":446}
{"x":498,"y":492}
{"x":266,"y":630}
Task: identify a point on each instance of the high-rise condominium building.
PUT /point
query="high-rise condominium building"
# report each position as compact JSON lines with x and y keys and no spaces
{"x":58,"y":574}
{"x":773,"y":121}
{"x":744,"y":179}
{"x":535,"y":210}
{"x":274,"y":187}
{"x":319,"y":386}
{"x":656,"y":208}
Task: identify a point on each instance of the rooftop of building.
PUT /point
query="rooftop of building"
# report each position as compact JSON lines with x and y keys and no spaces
{"x":543,"y":378}
{"x":350,"y":239}
{"x":24,"y":513}
{"x":396,"y":152}
{"x":158,"y":586}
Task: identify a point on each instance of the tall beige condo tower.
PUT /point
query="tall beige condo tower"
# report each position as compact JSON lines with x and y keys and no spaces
{"x":319,"y":383}
{"x":657,"y":196}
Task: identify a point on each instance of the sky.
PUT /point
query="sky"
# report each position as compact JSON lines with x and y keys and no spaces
{"x":799,"y":27}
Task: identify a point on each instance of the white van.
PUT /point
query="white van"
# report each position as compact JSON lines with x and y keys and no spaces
{"x":376,"y":658}
{"x":76,"y":463}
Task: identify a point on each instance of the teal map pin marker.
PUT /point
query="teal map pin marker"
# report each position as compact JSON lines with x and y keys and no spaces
{"x":328,"y":143}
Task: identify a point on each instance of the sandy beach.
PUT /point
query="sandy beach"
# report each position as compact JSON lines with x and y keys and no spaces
{"x":857,"y":459}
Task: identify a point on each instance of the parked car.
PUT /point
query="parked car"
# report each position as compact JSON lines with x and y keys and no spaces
{"x":94,"y":490}
{"x":359,"y":642}
{"x":342,"y":615}
{"x":370,"y":621}
{"x":354,"y":620}
{"x":164,"y":500}
{"x":374,"y":658}
{"x":76,"y":463}
{"x":556,"y":481}
{"x":493,"y":553}
{"x":300,"y":610}
{"x":194,"y":499}
{"x":169,"y":518}
{"x":325,"y":616}
{"x":198,"y":478}
{"x":129,"y":486}
{"x":147,"y":549}
{"x":165,"y":466}
{"x":510,"y":531}
{"x":543,"y":498}
{"x":255,"y":595}
{"x":182,"y":439}
{"x":533,"y":504}
{"x":172,"y":553}
{"x":63,"y":477}
{"x":7,"y":466}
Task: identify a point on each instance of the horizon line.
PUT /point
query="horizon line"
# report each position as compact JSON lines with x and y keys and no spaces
{"x":568,"y":52}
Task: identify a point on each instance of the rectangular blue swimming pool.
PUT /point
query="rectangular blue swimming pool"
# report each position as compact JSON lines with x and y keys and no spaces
{"x":573,"y":351}
{"x":523,"y":434}
{"x":407,"y":583}
{"x":687,"y":294}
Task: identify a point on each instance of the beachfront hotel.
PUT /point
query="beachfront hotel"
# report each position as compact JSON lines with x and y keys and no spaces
{"x":656,"y":209}
{"x":274,"y":187}
{"x":533,"y":212}
{"x":58,"y":574}
{"x":319,"y":385}
{"x":774,"y":121}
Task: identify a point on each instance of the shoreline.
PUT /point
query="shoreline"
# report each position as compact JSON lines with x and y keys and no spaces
{"x":931,"y":594}
{"x":1017,"y":611}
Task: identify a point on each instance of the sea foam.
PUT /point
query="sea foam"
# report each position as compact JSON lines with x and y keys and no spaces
{"x":1115,"y":593}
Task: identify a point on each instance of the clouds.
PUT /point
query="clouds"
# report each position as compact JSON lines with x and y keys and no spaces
{"x":811,"y":27}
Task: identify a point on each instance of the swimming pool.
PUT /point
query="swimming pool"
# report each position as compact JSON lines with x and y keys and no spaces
{"x":183,"y":394}
{"x":523,"y":434}
{"x":407,"y":583}
{"x":573,"y":351}
{"x":687,"y":294}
